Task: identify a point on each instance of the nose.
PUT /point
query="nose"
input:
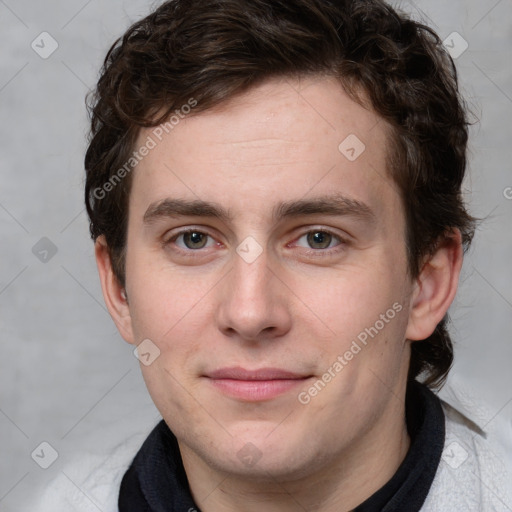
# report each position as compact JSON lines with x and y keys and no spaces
{"x":253,"y":303}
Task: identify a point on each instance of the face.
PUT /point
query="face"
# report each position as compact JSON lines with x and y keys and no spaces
{"x":266,"y":264}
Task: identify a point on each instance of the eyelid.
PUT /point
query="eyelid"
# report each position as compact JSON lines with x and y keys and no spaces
{"x":321,"y":229}
{"x":321,"y":253}
{"x":171,"y":236}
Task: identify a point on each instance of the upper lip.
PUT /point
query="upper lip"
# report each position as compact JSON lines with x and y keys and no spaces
{"x":238,"y":373}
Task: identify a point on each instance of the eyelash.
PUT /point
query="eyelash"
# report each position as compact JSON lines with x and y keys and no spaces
{"x":190,"y":252}
{"x":321,"y":253}
{"x":316,"y":253}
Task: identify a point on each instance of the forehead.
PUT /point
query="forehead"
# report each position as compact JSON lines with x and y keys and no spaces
{"x":285,"y":139}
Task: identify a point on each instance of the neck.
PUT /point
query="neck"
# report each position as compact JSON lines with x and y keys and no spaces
{"x":351,"y":477}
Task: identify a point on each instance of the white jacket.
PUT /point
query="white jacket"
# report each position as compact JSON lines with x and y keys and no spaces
{"x":475,"y":472}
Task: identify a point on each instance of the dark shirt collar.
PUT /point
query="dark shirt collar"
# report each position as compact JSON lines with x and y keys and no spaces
{"x":410,"y":485}
{"x":156,"y":480}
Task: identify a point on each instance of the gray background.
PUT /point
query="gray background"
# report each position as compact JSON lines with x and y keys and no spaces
{"x":66,"y":376}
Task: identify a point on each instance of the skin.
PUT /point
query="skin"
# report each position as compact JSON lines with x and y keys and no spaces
{"x":297,"y":306}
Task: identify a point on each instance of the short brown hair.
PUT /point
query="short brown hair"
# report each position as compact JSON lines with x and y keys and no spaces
{"x":213,"y":50}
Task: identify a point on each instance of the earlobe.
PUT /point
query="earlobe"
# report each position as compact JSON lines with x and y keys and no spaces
{"x":114,"y":293}
{"x":435,"y":287}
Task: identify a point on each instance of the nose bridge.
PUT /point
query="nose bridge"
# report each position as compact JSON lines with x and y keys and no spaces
{"x":250,"y":282}
{"x":251,"y":301}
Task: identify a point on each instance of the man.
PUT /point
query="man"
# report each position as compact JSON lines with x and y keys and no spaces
{"x":274,"y":190}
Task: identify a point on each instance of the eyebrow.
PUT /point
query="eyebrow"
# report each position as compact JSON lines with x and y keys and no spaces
{"x":185,"y":208}
{"x":335,"y":205}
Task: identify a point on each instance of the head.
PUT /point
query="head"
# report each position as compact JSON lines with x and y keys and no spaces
{"x":260,"y":118}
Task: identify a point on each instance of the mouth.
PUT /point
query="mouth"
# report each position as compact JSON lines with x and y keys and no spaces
{"x":255,"y":385}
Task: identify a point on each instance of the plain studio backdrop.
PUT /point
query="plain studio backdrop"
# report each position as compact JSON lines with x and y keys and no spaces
{"x":66,"y":376}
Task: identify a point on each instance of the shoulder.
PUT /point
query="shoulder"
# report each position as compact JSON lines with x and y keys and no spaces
{"x":475,"y":471}
{"x":91,"y":481}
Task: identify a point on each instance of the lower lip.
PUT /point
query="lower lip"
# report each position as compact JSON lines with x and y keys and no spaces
{"x":256,"y":390}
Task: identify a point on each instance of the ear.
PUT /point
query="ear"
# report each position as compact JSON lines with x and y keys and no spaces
{"x":435,"y":287}
{"x":113,"y":293}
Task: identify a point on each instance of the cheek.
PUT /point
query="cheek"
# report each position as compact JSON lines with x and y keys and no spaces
{"x":347,"y":302}
{"x":365,"y":316}
{"x":174,"y":318}
{"x":163,"y":299}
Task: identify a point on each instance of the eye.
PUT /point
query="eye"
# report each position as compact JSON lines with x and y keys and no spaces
{"x":193,"y":240}
{"x":318,"y":239}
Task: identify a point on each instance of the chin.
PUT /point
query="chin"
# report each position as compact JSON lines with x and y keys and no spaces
{"x":265,"y":457}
